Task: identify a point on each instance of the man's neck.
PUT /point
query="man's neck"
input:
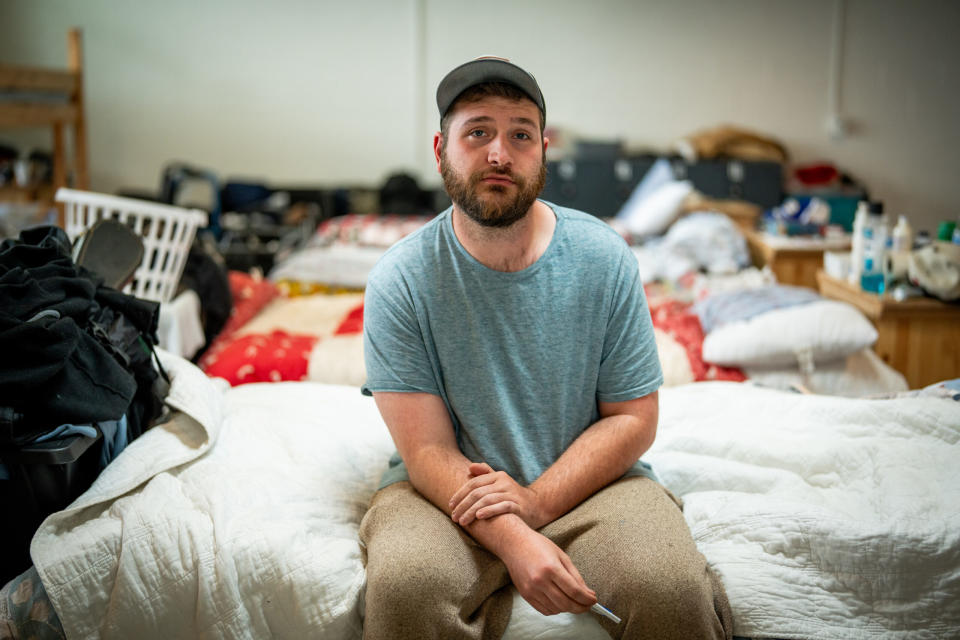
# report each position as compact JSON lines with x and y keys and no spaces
{"x":512,"y":248}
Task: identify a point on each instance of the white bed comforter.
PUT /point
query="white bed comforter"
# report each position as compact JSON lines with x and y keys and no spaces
{"x":825,"y":517}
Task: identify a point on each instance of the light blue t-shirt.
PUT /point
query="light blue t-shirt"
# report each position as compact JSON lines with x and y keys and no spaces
{"x":519,"y":358}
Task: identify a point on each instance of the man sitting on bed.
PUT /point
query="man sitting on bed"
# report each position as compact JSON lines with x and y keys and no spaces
{"x":509,"y":349}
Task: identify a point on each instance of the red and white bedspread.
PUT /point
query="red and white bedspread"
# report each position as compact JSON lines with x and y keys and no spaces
{"x":314,"y":337}
{"x":318,"y":337}
{"x":272,"y":337}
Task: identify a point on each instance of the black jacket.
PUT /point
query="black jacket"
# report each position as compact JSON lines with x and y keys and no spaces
{"x":69,"y":346}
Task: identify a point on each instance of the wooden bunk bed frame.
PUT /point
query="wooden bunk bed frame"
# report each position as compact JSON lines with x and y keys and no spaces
{"x":61,"y":115}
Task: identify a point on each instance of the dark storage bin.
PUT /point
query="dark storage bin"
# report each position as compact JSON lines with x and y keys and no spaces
{"x":596,"y":185}
{"x":731,"y":179}
{"x":600,"y":185}
{"x":44,"y":477}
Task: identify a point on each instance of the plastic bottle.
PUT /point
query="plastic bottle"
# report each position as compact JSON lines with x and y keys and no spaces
{"x":874,"y":241}
{"x":945,"y":230}
{"x":856,"y":242}
{"x":898,"y":255}
{"x":884,"y":237}
{"x":902,"y":236}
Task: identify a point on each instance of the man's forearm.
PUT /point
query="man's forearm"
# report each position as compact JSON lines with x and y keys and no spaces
{"x":599,"y":456}
{"x":437,"y":473}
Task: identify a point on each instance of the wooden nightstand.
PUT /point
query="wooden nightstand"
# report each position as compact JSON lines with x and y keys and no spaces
{"x":919,"y":337}
{"x":793,"y":259}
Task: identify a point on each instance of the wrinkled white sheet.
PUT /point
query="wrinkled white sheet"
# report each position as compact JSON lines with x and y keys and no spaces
{"x":825,"y":517}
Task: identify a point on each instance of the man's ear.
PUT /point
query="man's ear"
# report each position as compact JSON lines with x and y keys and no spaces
{"x":546,"y":141}
{"x":437,"y":147}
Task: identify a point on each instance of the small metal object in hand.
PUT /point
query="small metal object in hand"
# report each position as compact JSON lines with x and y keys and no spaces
{"x":606,"y":613}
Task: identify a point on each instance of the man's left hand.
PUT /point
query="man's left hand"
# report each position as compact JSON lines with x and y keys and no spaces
{"x":490,"y":493}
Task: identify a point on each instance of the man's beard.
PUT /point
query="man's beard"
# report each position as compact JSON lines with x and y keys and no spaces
{"x":498,"y":213}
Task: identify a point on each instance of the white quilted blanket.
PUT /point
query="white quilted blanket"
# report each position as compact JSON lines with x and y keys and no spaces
{"x":825,"y":517}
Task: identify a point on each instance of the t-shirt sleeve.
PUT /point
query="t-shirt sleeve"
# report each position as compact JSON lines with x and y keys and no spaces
{"x":394,"y":351}
{"x":630,"y":366}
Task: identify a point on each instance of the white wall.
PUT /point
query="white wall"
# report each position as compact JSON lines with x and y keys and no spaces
{"x":332,"y":92}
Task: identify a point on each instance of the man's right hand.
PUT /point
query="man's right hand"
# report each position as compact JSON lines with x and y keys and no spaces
{"x":424,"y":435}
{"x":545,"y":576}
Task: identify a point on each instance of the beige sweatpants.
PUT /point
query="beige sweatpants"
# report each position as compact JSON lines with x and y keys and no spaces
{"x":426,"y":578}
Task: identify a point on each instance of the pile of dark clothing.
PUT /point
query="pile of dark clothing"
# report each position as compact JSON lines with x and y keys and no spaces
{"x":77,"y":358}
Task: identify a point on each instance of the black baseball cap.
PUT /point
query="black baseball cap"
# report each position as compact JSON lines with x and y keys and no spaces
{"x":481,"y":71}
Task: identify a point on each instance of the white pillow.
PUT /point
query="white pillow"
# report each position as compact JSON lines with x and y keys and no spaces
{"x":653,"y":213}
{"x":825,"y":330}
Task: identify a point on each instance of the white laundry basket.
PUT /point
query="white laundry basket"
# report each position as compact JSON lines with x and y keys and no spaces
{"x":167,"y":233}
